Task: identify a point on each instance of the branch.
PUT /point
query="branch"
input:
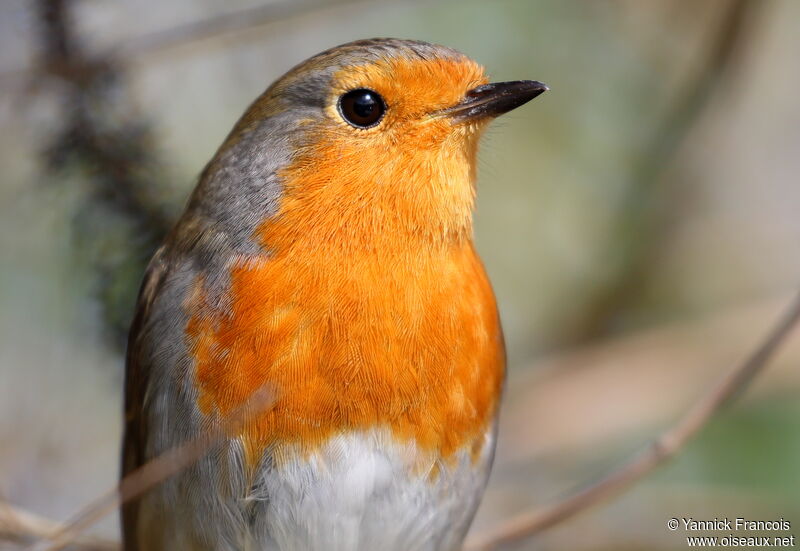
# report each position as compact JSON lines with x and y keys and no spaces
{"x":22,"y":526}
{"x":156,"y":471}
{"x":632,"y":236}
{"x":188,"y":33}
{"x":659,"y":452}
{"x":224,"y":23}
{"x":91,"y":132}
{"x":106,"y":149}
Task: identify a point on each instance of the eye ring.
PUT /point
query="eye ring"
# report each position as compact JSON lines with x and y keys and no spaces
{"x":362,"y":108}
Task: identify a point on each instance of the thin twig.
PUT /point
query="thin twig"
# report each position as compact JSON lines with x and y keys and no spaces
{"x":224,"y":23}
{"x":22,"y":526}
{"x":196,"y":31}
{"x":156,"y":471}
{"x":659,"y":452}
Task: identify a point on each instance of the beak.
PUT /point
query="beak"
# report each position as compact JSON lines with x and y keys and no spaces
{"x":494,"y":99}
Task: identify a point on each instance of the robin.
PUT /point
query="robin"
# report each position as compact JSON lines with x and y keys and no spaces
{"x":327,"y":253}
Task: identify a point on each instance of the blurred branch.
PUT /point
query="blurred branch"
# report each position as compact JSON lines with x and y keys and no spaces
{"x":23,"y":527}
{"x":660,"y":451}
{"x":156,"y":471}
{"x":20,"y":526}
{"x":558,"y":407}
{"x":196,"y":31}
{"x":224,"y":23}
{"x":107,"y":149}
{"x":631,"y":241}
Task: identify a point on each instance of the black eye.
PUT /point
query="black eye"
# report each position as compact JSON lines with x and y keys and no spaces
{"x":362,"y":108}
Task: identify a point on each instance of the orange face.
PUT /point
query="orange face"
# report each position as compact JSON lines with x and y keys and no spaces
{"x":369,"y":308}
{"x":412,"y":174}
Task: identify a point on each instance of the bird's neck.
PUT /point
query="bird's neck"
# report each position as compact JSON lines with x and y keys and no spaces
{"x":386,"y":203}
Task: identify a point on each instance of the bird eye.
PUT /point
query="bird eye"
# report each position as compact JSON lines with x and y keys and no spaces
{"x":362,"y":108}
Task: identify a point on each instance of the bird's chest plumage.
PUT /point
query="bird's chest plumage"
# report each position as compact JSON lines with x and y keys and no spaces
{"x":414,"y":347}
{"x":386,"y":381}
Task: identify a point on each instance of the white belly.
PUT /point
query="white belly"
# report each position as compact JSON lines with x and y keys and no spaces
{"x":360,"y":492}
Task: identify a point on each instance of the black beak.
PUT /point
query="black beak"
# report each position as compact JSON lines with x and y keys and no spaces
{"x":494,"y":99}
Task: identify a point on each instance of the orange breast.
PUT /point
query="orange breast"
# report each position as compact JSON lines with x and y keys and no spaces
{"x":415,"y":346}
{"x":359,"y":316}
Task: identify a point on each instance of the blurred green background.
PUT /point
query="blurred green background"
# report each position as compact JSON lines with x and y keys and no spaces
{"x":640,"y":222}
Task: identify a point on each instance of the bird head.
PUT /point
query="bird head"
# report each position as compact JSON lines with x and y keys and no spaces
{"x":368,"y":141}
